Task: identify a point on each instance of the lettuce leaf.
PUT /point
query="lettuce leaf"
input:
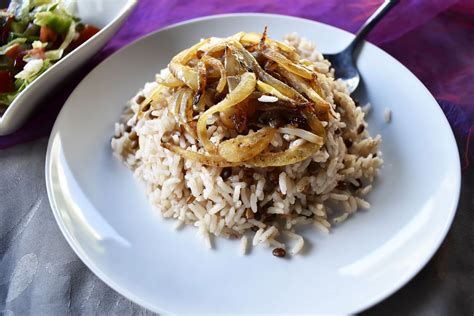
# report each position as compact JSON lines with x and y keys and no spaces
{"x":59,"y":23}
{"x":5,"y":48}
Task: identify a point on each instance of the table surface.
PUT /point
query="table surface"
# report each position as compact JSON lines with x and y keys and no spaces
{"x":41,"y":275}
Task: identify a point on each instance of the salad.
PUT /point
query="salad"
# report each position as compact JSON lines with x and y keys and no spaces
{"x":34,"y":34}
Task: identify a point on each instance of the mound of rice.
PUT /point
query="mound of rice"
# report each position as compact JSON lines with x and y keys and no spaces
{"x":260,"y":206}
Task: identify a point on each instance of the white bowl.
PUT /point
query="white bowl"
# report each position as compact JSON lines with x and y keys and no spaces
{"x":105,"y":216}
{"x":105,"y":14}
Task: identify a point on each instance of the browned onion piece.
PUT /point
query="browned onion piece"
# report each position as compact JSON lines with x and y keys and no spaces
{"x":240,"y":93}
{"x":268,"y":89}
{"x":185,"y":106}
{"x":263,"y":39}
{"x":252,"y":64}
{"x":208,"y":160}
{"x":322,"y":106}
{"x":185,"y":74}
{"x":245,"y":147}
{"x":184,"y":110}
{"x":150,"y":101}
{"x":317,"y":87}
{"x":314,"y":123}
{"x":202,"y":81}
{"x":186,"y":55}
{"x":284,"y":62}
{"x":232,"y":82}
{"x":288,"y":51}
{"x":170,"y":81}
{"x":287,"y":157}
{"x":177,"y":103}
{"x":216,"y":63}
{"x":233,"y":66}
{"x":251,"y":38}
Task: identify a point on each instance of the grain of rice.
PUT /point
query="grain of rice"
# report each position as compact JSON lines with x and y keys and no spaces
{"x":256,"y":237}
{"x":365,"y":190}
{"x":321,"y":227}
{"x":362,"y":203}
{"x":339,"y":196}
{"x":341,"y":218}
{"x":267,"y":234}
{"x":298,"y":246}
{"x":282,"y":182}
{"x":243,"y":245}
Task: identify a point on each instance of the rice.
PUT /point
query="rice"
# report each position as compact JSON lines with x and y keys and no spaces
{"x":243,"y":245}
{"x":262,"y":201}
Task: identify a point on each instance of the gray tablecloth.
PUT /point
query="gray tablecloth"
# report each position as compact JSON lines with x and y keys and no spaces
{"x":40,"y":274}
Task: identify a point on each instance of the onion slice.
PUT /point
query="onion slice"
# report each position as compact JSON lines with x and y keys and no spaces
{"x":186,"y":55}
{"x":322,"y":106}
{"x":169,"y":81}
{"x":287,"y":64}
{"x":185,"y":74}
{"x":252,"y":64}
{"x":287,"y":157}
{"x":245,"y":147}
{"x":268,"y":89}
{"x":208,"y":160}
{"x":216,"y":63}
{"x":202,"y":82}
{"x":245,"y":87}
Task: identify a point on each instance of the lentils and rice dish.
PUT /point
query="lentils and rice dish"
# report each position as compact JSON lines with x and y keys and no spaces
{"x":248,"y":137}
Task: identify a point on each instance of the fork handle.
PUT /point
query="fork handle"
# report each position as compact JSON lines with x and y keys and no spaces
{"x":370,"y":23}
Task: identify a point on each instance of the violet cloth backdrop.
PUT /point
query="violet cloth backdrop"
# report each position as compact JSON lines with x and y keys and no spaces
{"x":39,"y":273}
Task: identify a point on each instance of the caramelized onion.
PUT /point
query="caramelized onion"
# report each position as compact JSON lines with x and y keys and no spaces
{"x":268,"y":89}
{"x":322,"y":106}
{"x":245,"y":87}
{"x":252,"y":64}
{"x":202,"y":81}
{"x":287,"y":64}
{"x":245,"y":147}
{"x":287,"y":157}
{"x":185,"y":74}
{"x":208,"y":160}
{"x":229,"y":77}
{"x":214,"y":62}
{"x":170,"y":81}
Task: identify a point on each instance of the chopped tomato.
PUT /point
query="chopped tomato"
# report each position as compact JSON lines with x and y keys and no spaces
{"x":84,"y":35}
{"x":13,"y":51}
{"x":5,"y":29}
{"x":19,"y":63}
{"x":6,"y":82}
{"x":47,"y":34}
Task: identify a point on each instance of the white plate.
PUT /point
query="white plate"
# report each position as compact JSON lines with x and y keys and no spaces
{"x":107,"y":220}
{"x":106,"y":14}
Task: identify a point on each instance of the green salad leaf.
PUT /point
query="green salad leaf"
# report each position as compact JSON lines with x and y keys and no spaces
{"x":5,"y":48}
{"x":59,"y":23}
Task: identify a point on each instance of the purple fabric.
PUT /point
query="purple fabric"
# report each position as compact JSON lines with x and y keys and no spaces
{"x":434,"y":39}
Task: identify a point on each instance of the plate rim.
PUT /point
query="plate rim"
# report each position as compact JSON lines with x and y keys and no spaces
{"x":396,"y":286}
